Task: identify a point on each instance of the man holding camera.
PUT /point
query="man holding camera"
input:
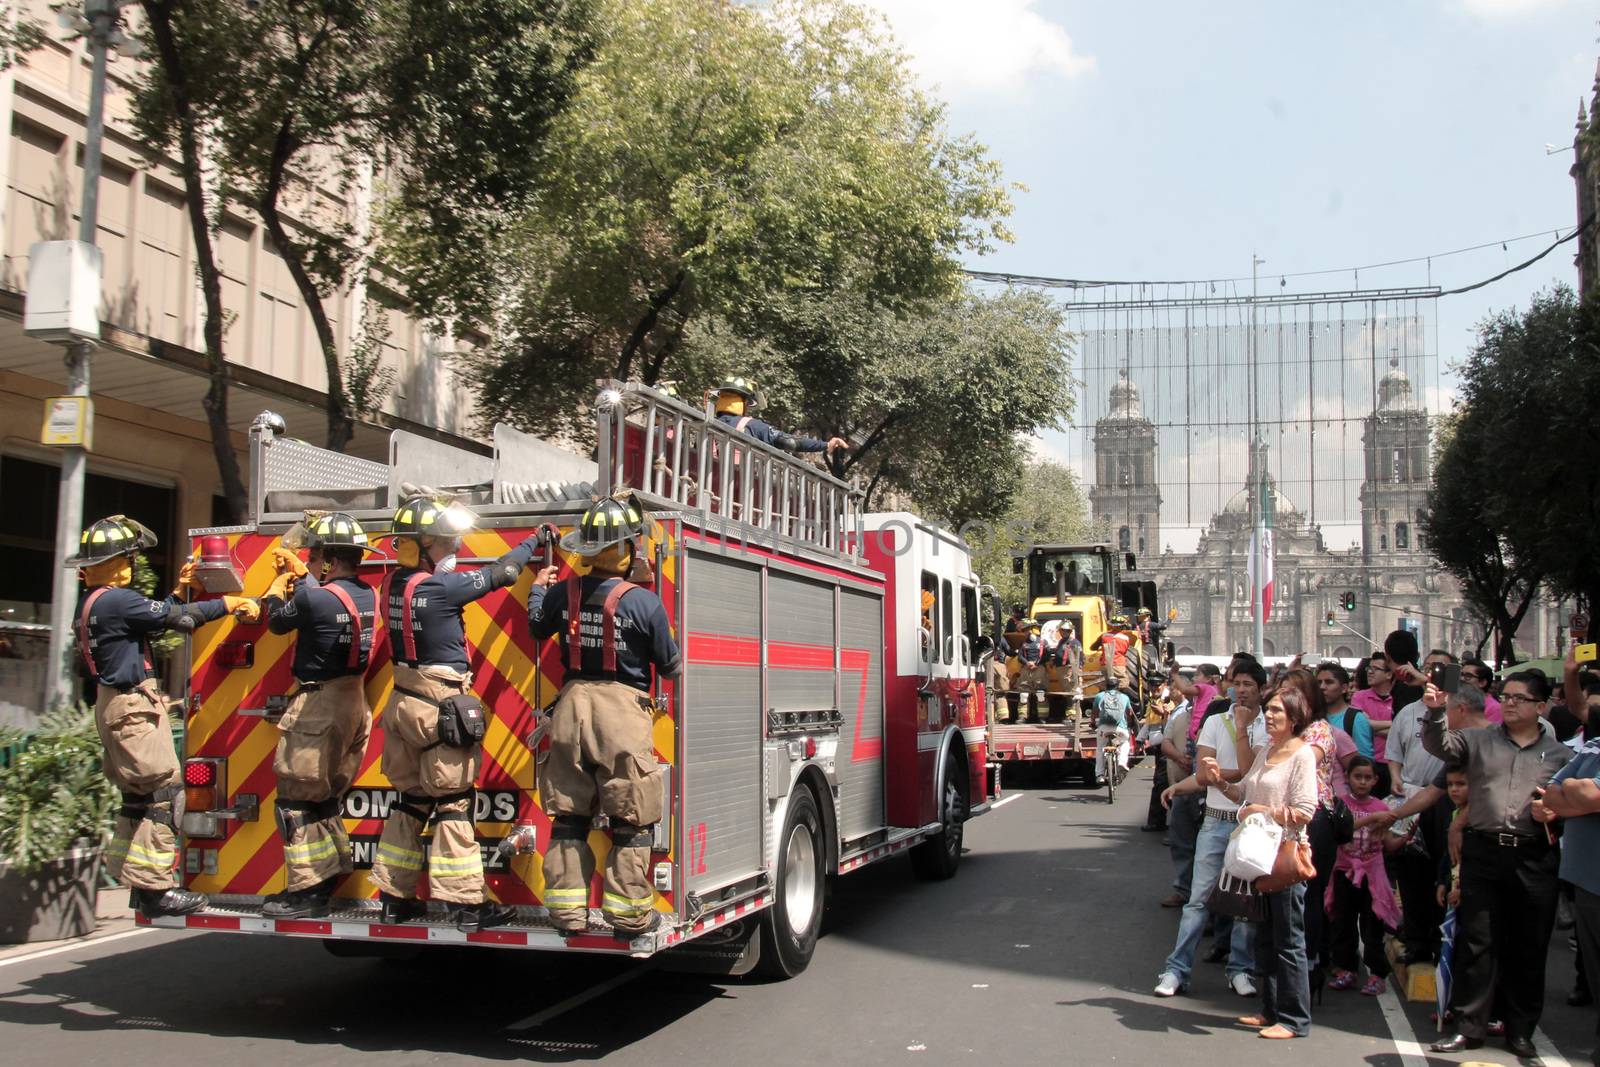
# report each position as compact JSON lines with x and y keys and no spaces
{"x":1508,"y":862}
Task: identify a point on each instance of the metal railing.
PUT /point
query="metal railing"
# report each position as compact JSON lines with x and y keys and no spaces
{"x":657,"y":444}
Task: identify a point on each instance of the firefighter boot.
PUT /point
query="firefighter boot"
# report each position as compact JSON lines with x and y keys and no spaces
{"x":397,"y":910}
{"x":310,"y":903}
{"x":1013,"y":707}
{"x":1033,"y":706}
{"x":470,"y":918}
{"x":152,"y":903}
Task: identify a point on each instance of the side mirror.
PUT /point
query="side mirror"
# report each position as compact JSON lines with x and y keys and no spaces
{"x":1128,"y":562}
{"x":1017,"y":564}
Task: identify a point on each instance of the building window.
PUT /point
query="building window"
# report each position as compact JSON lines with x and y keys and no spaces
{"x":1124,"y":539}
{"x":1399,"y":464}
{"x":1383,"y":542}
{"x":1402,"y":535}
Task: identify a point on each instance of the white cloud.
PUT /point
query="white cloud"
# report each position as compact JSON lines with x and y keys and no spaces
{"x":1494,"y":9}
{"x":993,"y":47}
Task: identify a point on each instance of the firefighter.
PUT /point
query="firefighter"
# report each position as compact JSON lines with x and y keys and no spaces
{"x":324,"y":730}
{"x":601,"y":757}
{"x":1113,"y":645}
{"x":433,"y":724}
{"x":1030,"y":676}
{"x":1062,"y":654}
{"x":114,"y":626}
{"x":736,"y":399}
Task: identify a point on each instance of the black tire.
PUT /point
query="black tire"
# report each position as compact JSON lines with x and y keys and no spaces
{"x":1111,"y":780}
{"x":937,"y":858}
{"x":789,"y":928}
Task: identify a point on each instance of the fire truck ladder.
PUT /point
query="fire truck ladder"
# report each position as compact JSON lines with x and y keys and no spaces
{"x":687,"y":457}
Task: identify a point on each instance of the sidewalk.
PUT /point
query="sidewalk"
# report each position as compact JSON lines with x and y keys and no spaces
{"x":112,"y":916}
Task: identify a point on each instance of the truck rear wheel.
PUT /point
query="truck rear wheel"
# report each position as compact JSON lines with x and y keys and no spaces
{"x":937,"y":858}
{"x":789,"y":928}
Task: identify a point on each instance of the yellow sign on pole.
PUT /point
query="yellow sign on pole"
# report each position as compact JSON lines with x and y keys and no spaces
{"x":68,"y":420}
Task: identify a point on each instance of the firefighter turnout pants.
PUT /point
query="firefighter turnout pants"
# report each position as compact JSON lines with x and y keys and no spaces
{"x":141,"y":761}
{"x":323,"y":736}
{"x":435,"y":783}
{"x":601,"y":760}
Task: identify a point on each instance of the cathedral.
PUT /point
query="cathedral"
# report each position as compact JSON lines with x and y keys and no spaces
{"x":1390,"y":574}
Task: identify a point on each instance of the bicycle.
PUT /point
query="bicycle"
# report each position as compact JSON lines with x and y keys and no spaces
{"x":1109,"y":757}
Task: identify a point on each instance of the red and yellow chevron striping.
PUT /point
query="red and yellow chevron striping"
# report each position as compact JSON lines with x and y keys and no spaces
{"x":227,"y":720}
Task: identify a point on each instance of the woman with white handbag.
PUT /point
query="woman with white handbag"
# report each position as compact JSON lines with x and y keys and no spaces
{"x":1281,"y":785}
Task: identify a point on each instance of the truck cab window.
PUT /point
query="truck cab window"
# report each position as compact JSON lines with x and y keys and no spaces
{"x":928,"y":630}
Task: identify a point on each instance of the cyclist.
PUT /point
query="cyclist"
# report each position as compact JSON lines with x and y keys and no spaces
{"x":1114,"y":728}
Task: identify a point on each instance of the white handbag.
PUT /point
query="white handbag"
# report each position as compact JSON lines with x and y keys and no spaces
{"x":1252,"y":847}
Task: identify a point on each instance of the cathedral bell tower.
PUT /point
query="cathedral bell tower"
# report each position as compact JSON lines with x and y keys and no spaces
{"x":1394,"y":493}
{"x":1125,"y":497}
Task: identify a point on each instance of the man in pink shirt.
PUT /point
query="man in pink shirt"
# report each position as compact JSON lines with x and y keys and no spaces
{"x":1481,"y":675}
{"x":1378,"y":703}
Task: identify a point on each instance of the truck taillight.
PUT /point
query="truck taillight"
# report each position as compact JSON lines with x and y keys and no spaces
{"x":205,"y":790}
{"x":236,"y":654}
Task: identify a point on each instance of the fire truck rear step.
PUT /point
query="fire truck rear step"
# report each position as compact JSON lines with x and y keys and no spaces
{"x":357,"y":920}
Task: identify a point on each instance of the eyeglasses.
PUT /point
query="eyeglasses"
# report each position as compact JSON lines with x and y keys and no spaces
{"x":1478,"y":677}
{"x":1374,"y":669}
{"x":1518,"y":698}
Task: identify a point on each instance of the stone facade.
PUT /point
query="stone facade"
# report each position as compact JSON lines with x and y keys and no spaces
{"x":1391,"y":574}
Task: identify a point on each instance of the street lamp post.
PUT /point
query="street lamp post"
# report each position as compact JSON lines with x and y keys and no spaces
{"x":98,"y":22}
{"x":1257,"y":482}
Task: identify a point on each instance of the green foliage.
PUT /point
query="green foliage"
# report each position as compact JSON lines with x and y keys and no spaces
{"x":369,"y":380}
{"x":1503,"y":517}
{"x":52,"y":794}
{"x":165,"y":644}
{"x":1049,"y":506}
{"x":718,"y":160}
{"x":19,"y":35}
{"x":450,"y":97}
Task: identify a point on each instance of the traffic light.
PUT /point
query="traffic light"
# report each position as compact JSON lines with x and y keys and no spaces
{"x":1349,"y":602}
{"x":1331,"y":620}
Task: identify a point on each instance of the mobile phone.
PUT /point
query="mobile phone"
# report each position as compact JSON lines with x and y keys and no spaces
{"x":1446,"y":677}
{"x":1586,"y":653}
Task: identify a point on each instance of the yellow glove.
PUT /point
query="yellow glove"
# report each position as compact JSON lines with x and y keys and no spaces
{"x":242,"y":608}
{"x":185,"y":578}
{"x":287,"y":562}
{"x":282,"y":586}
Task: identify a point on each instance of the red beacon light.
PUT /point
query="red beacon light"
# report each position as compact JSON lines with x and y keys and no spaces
{"x":215,"y":570}
{"x":199,"y":773}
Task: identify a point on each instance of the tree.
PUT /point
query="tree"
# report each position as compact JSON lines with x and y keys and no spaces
{"x":1465,"y":536}
{"x":1049,"y":506}
{"x":172,"y":103}
{"x":717,"y":158}
{"x":938,"y":396}
{"x":1505,"y":519}
{"x":19,"y":34}
{"x":296,"y":95}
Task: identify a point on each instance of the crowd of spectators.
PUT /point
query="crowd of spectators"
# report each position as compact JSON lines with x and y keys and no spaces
{"x":1417,"y":786}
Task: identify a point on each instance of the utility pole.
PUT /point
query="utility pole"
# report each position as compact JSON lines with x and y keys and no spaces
{"x":61,"y":689}
{"x":1258,"y":477}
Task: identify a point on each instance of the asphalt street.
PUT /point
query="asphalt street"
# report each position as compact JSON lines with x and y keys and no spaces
{"x":1044,"y":948}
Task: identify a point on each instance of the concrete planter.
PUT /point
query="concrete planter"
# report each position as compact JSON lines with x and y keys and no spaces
{"x":54,"y":902}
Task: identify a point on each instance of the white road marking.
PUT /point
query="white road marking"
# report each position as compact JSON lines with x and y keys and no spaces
{"x":1003,"y":801}
{"x":539,"y":1018}
{"x":1405,"y":1041}
{"x":59,"y":949}
{"x":1548,"y":1052}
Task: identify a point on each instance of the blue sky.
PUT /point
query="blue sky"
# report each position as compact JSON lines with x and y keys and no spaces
{"x":1162,"y":140}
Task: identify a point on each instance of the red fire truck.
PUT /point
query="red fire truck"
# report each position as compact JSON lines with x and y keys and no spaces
{"x":829,"y":712}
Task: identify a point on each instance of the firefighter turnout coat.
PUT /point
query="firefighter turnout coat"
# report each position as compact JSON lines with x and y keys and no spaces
{"x":601,"y":758}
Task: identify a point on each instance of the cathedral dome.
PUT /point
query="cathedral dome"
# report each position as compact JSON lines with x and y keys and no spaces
{"x":1394,"y":389}
{"x":1239,"y":503}
{"x":1124,"y":398}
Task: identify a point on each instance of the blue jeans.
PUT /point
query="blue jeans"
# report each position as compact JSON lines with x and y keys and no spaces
{"x":1281,"y":965}
{"x":1183,"y":824}
{"x":1209,"y":845}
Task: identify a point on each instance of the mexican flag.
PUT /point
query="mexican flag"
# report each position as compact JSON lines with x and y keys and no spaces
{"x":1261,"y":549}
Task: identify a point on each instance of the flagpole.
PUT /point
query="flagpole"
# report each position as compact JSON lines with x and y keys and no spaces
{"x":1256,"y":498}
